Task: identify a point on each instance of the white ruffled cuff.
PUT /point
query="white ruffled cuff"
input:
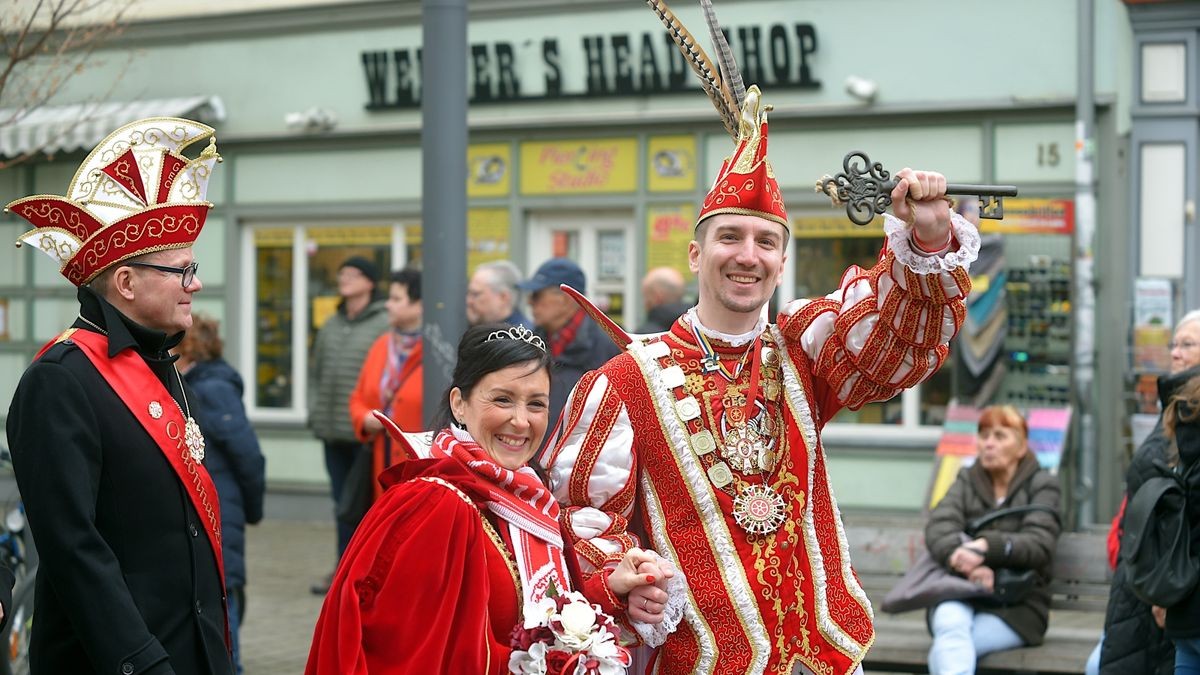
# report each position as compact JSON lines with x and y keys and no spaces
{"x":901,"y":245}
{"x":655,"y":634}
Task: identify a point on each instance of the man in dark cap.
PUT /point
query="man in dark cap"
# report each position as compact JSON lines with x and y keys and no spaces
{"x":575,"y":341}
{"x":337,"y":357}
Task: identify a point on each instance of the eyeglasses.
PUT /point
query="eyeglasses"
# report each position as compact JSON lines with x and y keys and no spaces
{"x":188,"y":273}
{"x":1186,"y":345}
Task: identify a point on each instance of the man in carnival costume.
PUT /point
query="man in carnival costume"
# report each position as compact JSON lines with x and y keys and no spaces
{"x":711,"y":430}
{"x":106,"y":451}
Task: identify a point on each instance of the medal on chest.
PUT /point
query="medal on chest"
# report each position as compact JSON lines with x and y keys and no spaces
{"x":748,"y":432}
{"x":194,"y":439}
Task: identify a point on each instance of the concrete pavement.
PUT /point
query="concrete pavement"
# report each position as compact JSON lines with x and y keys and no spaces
{"x":285,"y":554}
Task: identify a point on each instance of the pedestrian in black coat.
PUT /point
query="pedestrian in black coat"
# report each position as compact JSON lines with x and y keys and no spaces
{"x":232,"y":455}
{"x":1182,"y":422}
{"x":1133,"y":642}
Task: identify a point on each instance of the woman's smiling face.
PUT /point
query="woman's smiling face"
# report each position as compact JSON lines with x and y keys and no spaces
{"x":507,"y":412}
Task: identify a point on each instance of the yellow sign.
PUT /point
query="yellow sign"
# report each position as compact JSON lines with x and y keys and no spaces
{"x":671,"y":163}
{"x":595,"y":165}
{"x":369,"y":235}
{"x":1033,"y":216}
{"x":323,"y":307}
{"x":274,"y":237}
{"x":668,"y":231}
{"x":835,"y":225}
{"x":489,"y":170}
{"x":487,"y":236}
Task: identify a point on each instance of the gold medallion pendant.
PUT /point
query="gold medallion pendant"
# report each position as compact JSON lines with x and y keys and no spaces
{"x":194,"y":439}
{"x":758,"y":509}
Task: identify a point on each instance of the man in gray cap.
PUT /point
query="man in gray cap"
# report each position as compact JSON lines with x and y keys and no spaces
{"x":576,"y":343}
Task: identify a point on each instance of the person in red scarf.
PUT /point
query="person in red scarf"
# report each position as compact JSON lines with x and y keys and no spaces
{"x":465,"y":534}
{"x":390,"y":379}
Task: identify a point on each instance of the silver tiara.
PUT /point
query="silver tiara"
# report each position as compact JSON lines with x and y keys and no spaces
{"x":517,"y":333}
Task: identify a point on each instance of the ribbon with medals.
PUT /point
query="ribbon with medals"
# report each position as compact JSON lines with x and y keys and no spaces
{"x":748,"y":432}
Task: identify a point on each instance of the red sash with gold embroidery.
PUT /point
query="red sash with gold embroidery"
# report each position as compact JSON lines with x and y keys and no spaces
{"x":139,"y":390}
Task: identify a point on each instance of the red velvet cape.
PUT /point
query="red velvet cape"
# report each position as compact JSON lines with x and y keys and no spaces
{"x":425,"y":586}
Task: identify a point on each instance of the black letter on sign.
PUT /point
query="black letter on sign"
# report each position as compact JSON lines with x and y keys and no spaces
{"x":751,"y":62}
{"x":480,"y":73}
{"x":404,"y":80}
{"x":375,"y":68}
{"x":651,"y":80}
{"x":421,"y":70}
{"x":553,"y":69}
{"x":676,"y":67}
{"x":808,"y":45}
{"x":597,"y":83}
{"x":621,"y":65}
{"x":781,"y":55}
{"x":510,"y":87}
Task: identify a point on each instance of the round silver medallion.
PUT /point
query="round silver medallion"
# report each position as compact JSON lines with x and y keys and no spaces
{"x":155,"y":409}
{"x":758,"y":509}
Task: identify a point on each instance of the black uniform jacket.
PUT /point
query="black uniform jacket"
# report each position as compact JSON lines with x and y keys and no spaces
{"x":127,"y":581}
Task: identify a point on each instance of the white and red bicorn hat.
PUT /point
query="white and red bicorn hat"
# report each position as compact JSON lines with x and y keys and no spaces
{"x":135,"y":193}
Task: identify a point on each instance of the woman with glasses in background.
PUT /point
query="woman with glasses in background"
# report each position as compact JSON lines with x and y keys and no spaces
{"x":1133,"y":640}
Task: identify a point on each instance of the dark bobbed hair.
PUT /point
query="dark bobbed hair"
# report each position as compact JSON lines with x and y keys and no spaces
{"x":410,"y":279}
{"x":479,"y":357}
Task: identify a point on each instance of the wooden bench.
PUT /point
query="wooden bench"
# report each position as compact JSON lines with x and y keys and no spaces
{"x":882,"y":547}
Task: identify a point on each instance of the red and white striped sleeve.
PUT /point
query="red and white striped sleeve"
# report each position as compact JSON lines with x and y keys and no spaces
{"x":886,"y":328}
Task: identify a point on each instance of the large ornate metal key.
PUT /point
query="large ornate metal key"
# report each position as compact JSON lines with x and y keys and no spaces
{"x":866,"y":190}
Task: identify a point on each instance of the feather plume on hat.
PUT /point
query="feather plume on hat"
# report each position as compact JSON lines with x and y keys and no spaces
{"x":746,"y":182}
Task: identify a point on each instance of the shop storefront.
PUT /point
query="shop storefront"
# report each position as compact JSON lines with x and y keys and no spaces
{"x":590,"y":139}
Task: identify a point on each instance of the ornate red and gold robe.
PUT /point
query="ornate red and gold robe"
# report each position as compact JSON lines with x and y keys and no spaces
{"x":755,"y":603}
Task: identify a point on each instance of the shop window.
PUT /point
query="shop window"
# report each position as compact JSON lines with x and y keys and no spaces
{"x":294,"y":275}
{"x":273,"y":317}
{"x":1164,"y":72}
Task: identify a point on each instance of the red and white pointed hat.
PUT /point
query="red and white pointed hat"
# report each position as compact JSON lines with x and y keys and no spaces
{"x":746,"y":183}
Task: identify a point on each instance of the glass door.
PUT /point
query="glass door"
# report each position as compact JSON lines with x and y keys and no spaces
{"x":602,"y":243}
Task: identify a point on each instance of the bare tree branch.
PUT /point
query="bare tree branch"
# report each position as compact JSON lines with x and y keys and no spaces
{"x":43,"y":45}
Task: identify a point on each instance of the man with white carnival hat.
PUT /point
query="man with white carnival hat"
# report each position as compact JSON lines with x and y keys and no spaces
{"x":106,"y":451}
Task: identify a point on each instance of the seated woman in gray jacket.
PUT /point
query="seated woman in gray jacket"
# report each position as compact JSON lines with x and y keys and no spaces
{"x":1005,"y":474}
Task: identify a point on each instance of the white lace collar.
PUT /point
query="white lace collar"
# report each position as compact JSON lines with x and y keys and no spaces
{"x":731,"y":340}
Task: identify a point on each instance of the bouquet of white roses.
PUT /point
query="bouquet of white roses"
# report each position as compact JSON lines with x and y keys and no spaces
{"x":564,"y":634}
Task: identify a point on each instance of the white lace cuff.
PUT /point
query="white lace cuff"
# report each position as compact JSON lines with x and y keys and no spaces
{"x":898,"y":240}
{"x":655,"y":634}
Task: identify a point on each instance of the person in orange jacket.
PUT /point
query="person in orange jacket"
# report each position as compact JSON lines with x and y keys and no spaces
{"x":390,"y":379}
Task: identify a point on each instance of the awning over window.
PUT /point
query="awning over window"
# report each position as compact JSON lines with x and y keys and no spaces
{"x":65,"y":128}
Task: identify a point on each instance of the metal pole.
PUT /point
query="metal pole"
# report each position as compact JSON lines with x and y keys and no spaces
{"x":1085,"y":293}
{"x":443,"y":190}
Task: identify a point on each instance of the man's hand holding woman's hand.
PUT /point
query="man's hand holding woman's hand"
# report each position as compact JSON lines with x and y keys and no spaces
{"x":641,"y":578}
